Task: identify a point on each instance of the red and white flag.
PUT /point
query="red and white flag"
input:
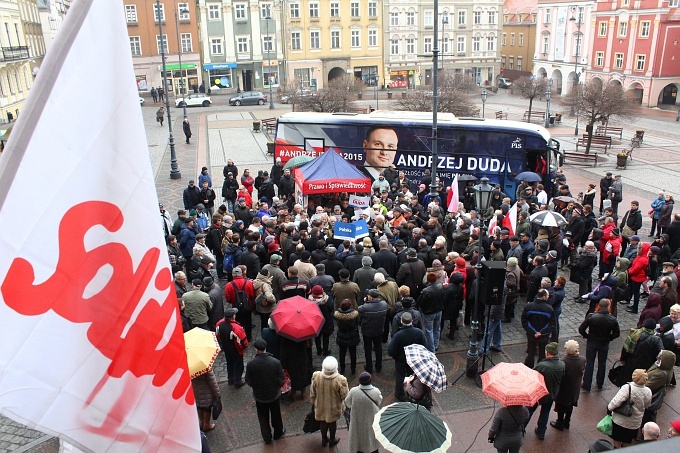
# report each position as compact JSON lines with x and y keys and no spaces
{"x":453,"y":196}
{"x":510,"y":220}
{"x":92,"y":346}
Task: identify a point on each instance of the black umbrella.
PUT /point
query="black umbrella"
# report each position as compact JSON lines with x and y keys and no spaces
{"x":528,"y":176}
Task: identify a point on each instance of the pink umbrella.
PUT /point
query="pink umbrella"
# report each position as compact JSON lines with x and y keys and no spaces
{"x":297,"y":318}
{"x":514,"y":384}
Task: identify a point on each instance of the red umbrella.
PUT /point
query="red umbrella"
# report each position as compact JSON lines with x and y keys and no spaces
{"x":514,"y":384}
{"x":297,"y":318}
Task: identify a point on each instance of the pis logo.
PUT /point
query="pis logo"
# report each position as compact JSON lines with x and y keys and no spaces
{"x":516,"y":143}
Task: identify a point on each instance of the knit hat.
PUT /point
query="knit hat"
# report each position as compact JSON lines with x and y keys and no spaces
{"x":196,"y":282}
{"x":552,"y":348}
{"x":616,"y":232}
{"x":365,"y":378}
{"x":273,"y":247}
{"x":676,"y":425}
{"x":512,"y":262}
{"x":317,"y":290}
{"x":460,"y":262}
{"x":329,"y":365}
{"x":649,"y":324}
{"x":571,"y":347}
{"x":654,"y":250}
{"x":408,"y":302}
{"x":640,"y":376}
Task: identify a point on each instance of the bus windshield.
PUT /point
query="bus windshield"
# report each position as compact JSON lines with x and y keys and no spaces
{"x":374,"y":142}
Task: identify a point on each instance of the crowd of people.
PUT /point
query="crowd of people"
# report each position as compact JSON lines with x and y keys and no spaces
{"x":412,"y":281}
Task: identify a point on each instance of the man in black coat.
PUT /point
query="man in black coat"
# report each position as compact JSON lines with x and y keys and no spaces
{"x":534,"y":282}
{"x":385,"y":258}
{"x":191,"y":196}
{"x":333,"y":265}
{"x":242,"y":212}
{"x":599,"y":329}
{"x":633,"y":220}
{"x":276,"y":173}
{"x":353,"y":261}
{"x":411,"y":273}
{"x":286,"y":184}
{"x":372,"y":322}
{"x":576,"y":227}
{"x":406,"y":336}
{"x":229,"y":191}
{"x":673,"y":232}
{"x":250,"y":260}
{"x":265,"y":375}
{"x":538,"y":321}
{"x":230,"y":168}
{"x":605,"y":184}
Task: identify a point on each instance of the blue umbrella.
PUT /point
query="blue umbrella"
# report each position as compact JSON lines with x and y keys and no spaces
{"x":528,"y":176}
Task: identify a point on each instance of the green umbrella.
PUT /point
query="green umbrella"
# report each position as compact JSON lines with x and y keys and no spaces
{"x":408,"y":427}
{"x":298,"y":161}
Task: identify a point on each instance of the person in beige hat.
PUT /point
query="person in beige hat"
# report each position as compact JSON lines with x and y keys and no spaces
{"x":570,"y":387}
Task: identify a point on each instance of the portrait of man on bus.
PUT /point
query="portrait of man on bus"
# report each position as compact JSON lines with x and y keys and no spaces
{"x":380,"y":148}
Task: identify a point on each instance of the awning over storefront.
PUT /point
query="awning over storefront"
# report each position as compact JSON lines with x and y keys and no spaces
{"x":210,"y":66}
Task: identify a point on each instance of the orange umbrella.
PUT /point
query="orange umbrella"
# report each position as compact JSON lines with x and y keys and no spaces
{"x":514,"y":384}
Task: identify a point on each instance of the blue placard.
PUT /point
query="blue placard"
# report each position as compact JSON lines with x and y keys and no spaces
{"x":352,"y":231}
{"x":360,"y":229}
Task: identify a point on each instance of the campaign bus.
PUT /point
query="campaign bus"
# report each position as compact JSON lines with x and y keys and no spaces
{"x":496,"y":149}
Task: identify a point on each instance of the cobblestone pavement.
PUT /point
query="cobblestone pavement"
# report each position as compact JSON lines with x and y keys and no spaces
{"x":222,"y":132}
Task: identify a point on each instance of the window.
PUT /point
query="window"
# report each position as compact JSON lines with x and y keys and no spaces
{"x":356,"y":38}
{"x":135,"y":45}
{"x":602,"y":30}
{"x":183,"y":9}
{"x":394,"y":46}
{"x":640,"y":62}
{"x":577,"y":45}
{"x":445,"y":44}
{"x":294,"y":11}
{"x":623,"y":29}
{"x":427,"y":45}
{"x":186,"y":43}
{"x":462,"y":18}
{"x":157,"y":12}
{"x":242,"y":45}
{"x":314,"y":40}
{"x":410,"y":18}
{"x":477,"y":17}
{"x":240,"y":11}
{"x":512,"y":39}
{"x":372,"y":37}
{"x":460,"y":44}
{"x":216,"y":46}
{"x":372,"y":9}
{"x":214,"y":12}
{"x":491,"y":43}
{"x":131,"y":13}
{"x":546,"y":44}
{"x":673,"y":3}
{"x":519,"y":63}
{"x":618,"y":60}
{"x":521,"y":39}
{"x":335,"y":39}
{"x":644,"y":29}
{"x":599,"y":59}
{"x":505,"y":39}
{"x":511,"y":63}
{"x":547,"y":15}
{"x":335,"y":9}
{"x":394,"y":18}
{"x":354,"y":9}
{"x":267,"y":44}
{"x":428,"y":18}
{"x":9,"y":83}
{"x":16,"y":79}
{"x":313,"y":10}
{"x":410,"y":45}
{"x":492,"y":17}
{"x":295,"y":40}
{"x":265,"y":10}
{"x":162,"y":44}
{"x":476,"y":44}
{"x":626,"y":2}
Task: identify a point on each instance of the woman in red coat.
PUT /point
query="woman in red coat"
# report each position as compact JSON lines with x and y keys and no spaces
{"x":637,"y":272}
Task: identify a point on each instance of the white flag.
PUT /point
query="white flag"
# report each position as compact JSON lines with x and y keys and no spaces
{"x":92,"y":347}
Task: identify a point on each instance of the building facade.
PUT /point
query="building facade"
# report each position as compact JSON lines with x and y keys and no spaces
{"x":468,"y":40}
{"x":637,"y":44}
{"x":52,"y":13}
{"x":178,"y":21}
{"x":518,"y":42}
{"x":240,"y":45}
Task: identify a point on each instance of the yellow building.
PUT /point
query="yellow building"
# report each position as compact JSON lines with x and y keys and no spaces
{"x":325,"y":40}
{"x":519,"y":38}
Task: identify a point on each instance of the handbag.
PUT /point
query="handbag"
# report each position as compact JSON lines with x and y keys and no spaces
{"x":216,"y":408}
{"x":622,"y":292}
{"x":606,"y":425}
{"x":615,"y":374}
{"x":286,"y":387}
{"x":627,"y":232}
{"x":311,"y":424}
{"x":657,"y":400}
{"x":626,"y":409}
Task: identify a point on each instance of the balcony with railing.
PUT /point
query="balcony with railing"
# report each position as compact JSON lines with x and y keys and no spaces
{"x":14,"y":53}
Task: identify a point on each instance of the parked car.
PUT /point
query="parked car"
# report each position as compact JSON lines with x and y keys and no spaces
{"x":299,"y":94}
{"x":194,"y":100}
{"x":504,"y":83}
{"x":248,"y":98}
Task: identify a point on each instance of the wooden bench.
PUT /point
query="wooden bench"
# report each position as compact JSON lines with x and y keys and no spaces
{"x":593,"y":144}
{"x":582,"y":157}
{"x":269,"y":124}
{"x":599,"y":139}
{"x":605,"y":130}
{"x":359,"y":110}
{"x":501,"y":115}
{"x":534,"y":114}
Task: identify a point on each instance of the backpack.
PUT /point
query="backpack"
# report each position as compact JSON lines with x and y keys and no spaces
{"x":261,"y":301}
{"x":231,"y":259}
{"x":241,"y":299}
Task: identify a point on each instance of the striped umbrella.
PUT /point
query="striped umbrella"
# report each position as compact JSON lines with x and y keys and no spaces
{"x":548,"y":219}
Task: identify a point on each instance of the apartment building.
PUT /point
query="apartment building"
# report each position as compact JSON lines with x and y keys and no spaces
{"x":52,"y":13}
{"x":518,"y":42}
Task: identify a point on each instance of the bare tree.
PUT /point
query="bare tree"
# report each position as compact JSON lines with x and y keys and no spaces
{"x":454,"y":97}
{"x":531,"y":88}
{"x":336,"y":97}
{"x":595,"y":102}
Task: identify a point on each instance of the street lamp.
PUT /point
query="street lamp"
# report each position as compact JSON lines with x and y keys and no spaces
{"x":269,"y":57}
{"x":174,"y":169}
{"x":484,"y":95}
{"x":578,"y":48}
{"x":179,"y":57}
{"x":547,"y":108}
{"x":482,"y":198}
